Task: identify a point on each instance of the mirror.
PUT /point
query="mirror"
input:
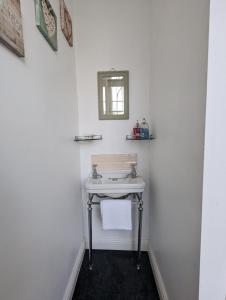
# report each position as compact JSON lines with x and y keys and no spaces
{"x":113,"y":95}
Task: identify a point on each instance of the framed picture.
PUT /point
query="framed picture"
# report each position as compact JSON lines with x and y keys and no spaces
{"x":66,"y":23}
{"x":46,"y":21}
{"x":11,"y":31}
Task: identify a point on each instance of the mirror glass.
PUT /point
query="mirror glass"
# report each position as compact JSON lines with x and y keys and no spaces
{"x":113,"y":95}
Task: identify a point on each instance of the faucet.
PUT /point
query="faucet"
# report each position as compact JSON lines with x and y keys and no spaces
{"x":133,"y":173}
{"x":95,"y":175}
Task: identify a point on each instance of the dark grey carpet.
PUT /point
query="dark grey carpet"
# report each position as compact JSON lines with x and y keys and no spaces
{"x":115,"y":277}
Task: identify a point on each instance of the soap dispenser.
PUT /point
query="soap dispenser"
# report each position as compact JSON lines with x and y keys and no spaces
{"x":136,"y":130}
{"x":144,"y":130}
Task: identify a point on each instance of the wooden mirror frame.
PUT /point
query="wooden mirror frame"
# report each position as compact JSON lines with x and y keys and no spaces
{"x":100,"y":76}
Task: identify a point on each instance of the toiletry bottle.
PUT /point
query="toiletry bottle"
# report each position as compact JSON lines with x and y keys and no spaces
{"x":144,"y":129}
{"x":136,"y":130}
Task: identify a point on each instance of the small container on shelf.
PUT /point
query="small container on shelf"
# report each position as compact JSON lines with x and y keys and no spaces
{"x":144,"y":129}
{"x":136,"y":130}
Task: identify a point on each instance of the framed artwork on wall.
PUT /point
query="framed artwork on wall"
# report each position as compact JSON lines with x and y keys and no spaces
{"x":46,"y":21}
{"x":11,"y":30}
{"x":66,"y":23}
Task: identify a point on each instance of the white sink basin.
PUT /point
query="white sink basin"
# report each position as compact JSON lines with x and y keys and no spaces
{"x":115,"y":183}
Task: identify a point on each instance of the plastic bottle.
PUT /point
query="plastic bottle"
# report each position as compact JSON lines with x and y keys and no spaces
{"x":136,"y":130}
{"x":144,"y":130}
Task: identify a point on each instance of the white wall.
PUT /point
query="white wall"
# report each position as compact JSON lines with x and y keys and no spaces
{"x":113,"y":34}
{"x":40,"y":211}
{"x":213,"y":247}
{"x":179,"y":46}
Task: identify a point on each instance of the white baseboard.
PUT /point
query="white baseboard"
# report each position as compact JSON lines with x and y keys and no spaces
{"x":157,"y":274}
{"x":110,"y":244}
{"x":74,"y":273}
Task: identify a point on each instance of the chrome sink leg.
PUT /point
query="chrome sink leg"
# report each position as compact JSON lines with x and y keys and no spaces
{"x":89,"y":204}
{"x":140,"y":216}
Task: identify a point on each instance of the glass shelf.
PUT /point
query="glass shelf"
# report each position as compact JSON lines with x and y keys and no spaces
{"x":130,"y":137}
{"x":87,"y":138}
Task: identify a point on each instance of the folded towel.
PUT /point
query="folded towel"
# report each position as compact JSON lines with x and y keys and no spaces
{"x":116,"y":214}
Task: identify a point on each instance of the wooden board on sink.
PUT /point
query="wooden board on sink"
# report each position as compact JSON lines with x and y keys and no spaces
{"x":114,"y":162}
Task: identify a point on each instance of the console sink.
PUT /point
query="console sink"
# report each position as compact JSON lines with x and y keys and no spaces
{"x":115,"y":183}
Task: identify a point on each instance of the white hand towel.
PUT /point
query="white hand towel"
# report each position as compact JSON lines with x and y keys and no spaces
{"x":116,"y":214}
